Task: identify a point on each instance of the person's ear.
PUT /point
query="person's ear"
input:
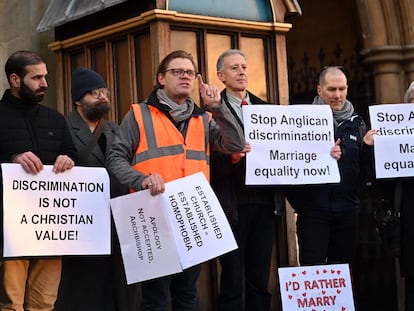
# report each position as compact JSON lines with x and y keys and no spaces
{"x":319,"y":90}
{"x":14,"y":80}
{"x":161,"y":79}
{"x":220,"y":76}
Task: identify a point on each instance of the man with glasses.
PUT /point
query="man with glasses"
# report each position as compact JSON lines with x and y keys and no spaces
{"x":169,"y":137}
{"x":101,"y":277}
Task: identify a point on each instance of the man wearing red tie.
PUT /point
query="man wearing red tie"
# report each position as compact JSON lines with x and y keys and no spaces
{"x":249,"y":209}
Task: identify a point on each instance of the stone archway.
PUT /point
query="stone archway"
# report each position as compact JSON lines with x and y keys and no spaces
{"x":388,"y":39}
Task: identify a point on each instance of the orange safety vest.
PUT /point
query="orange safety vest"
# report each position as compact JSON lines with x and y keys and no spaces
{"x":163,"y":149}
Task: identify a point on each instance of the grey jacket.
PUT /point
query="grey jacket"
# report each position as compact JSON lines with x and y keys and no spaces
{"x":81,"y":135}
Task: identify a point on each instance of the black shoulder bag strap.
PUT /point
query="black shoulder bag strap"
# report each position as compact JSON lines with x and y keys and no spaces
{"x":84,"y":155}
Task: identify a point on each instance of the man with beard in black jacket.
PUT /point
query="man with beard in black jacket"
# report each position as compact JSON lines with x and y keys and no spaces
{"x":93,"y":282}
{"x":31,"y":135}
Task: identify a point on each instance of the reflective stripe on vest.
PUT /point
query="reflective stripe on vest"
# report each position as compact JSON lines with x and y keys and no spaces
{"x":162,"y":148}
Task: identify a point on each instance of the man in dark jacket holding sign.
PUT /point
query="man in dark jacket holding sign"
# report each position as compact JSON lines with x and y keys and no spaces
{"x":31,"y":135}
{"x":249,"y":209}
{"x":98,"y":282}
{"x":327,"y":221}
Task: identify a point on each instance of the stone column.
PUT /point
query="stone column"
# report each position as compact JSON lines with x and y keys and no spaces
{"x":388,"y":70}
{"x":409,"y":64}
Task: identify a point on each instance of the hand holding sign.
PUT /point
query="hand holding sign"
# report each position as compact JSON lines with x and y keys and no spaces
{"x":290,"y":145}
{"x":394,"y":139}
{"x":336,"y":152}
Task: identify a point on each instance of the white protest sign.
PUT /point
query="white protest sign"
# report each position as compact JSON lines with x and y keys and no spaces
{"x":55,"y":214}
{"x":289,"y":144}
{"x":146,"y":238}
{"x":316,"y":288}
{"x":394,"y":142}
{"x":166,"y":233}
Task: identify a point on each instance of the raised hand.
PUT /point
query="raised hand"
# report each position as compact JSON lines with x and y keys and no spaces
{"x":209,"y":93}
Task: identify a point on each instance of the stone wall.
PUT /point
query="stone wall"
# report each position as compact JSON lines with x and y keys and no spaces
{"x":18,"y":22}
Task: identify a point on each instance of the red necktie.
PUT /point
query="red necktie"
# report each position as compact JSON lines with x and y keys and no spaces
{"x":244,"y":103}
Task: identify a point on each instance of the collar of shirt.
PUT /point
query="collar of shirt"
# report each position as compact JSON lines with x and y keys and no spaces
{"x":235,"y":103}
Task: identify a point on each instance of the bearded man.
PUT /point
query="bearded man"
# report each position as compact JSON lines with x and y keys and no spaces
{"x":93,"y":282}
{"x":31,"y":135}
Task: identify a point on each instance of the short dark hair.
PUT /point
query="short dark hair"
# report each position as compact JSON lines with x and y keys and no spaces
{"x":163,"y":66}
{"x":17,"y":62}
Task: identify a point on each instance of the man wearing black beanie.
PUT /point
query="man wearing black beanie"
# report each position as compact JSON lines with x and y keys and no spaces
{"x":98,"y":282}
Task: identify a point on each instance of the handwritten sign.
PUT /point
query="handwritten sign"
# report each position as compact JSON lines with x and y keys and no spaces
{"x":55,"y":214}
{"x":316,"y":288}
{"x":166,"y":233}
{"x":394,"y":143}
{"x":289,"y":144}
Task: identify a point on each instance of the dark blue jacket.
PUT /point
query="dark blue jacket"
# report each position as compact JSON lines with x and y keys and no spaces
{"x":344,"y":195}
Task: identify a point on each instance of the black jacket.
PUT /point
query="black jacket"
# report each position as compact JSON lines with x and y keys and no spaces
{"x":97,"y":156}
{"x":344,"y":195}
{"x":228,"y":180}
{"x":32,"y":127}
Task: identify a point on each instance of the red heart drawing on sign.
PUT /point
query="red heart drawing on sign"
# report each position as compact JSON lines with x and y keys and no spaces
{"x":304,"y":294}
{"x":338,"y":291}
{"x":290,"y":297}
{"x":343,"y":308}
{"x":324,"y":270}
{"x":293,"y":274}
{"x":323,"y":292}
{"x":339,"y":272}
{"x":317,"y":271}
{"x":304,"y":272}
{"x":332,"y":271}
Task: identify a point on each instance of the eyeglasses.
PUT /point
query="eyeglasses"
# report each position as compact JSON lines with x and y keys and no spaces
{"x":177,"y":72}
{"x":97,"y":92}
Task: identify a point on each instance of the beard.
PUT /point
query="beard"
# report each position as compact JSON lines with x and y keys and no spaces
{"x":29,"y":95}
{"x":96,"y":110}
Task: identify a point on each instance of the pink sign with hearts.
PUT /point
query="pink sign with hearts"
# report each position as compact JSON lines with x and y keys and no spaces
{"x":316,"y":288}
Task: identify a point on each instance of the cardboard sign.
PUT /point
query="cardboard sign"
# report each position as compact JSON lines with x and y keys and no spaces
{"x":289,"y":145}
{"x":316,"y":288}
{"x":172,"y":231}
{"x":56,"y":214}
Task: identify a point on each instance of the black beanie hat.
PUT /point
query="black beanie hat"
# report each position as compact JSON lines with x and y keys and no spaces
{"x":85,"y":80}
